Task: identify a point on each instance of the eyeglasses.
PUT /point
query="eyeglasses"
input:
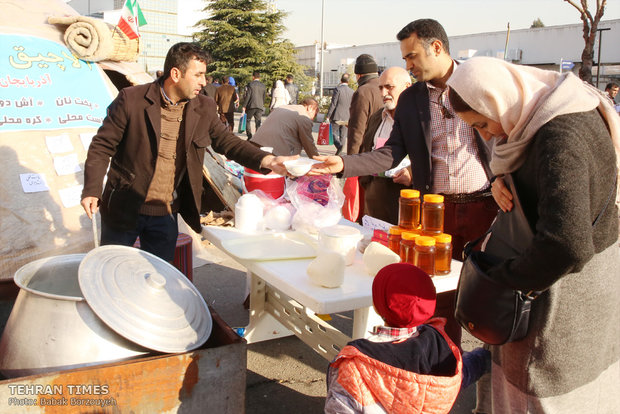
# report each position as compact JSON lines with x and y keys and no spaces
{"x":444,"y":111}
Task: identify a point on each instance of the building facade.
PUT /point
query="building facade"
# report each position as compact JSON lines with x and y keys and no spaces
{"x":544,"y":47}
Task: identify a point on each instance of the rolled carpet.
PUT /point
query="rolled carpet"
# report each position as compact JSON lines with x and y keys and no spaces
{"x":93,"y":39}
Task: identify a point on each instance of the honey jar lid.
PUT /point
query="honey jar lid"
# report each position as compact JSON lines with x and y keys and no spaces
{"x":409,"y":193}
{"x":409,"y":235}
{"x":443,"y":238}
{"x":433,"y":198}
{"x":396,"y":230}
{"x":425,"y":241}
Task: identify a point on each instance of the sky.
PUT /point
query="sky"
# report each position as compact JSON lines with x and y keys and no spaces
{"x":361,"y":22}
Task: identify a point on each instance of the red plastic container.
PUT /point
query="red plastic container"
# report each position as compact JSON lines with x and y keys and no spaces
{"x":271,"y":184}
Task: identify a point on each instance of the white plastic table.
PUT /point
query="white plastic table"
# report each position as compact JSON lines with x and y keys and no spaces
{"x":283,"y":300}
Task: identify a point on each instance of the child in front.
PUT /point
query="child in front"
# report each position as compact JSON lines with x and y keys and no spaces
{"x":409,"y":365}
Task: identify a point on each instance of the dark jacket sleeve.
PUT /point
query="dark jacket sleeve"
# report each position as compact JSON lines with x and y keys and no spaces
{"x":104,"y":145}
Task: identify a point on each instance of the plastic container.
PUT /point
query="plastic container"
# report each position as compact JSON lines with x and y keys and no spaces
{"x":424,"y":254}
{"x":394,"y":238}
{"x":249,"y":213}
{"x":443,"y":253}
{"x":407,"y":244}
{"x":341,"y":239}
{"x":409,"y":209}
{"x":271,"y":184}
{"x":432,"y":214}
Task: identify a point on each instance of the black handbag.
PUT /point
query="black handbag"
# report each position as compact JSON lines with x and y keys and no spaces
{"x":491,"y":311}
{"x":488,"y":310}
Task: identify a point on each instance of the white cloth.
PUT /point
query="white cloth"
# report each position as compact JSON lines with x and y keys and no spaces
{"x":523,"y":99}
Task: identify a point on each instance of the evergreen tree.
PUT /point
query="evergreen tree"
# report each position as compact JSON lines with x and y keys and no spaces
{"x":243,"y":36}
{"x":537,"y":23}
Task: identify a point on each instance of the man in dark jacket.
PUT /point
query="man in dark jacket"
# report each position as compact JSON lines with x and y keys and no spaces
{"x":254,"y":102}
{"x":381,"y":192}
{"x":210,"y":88}
{"x":293,"y":90}
{"x":365,"y":102}
{"x":338,"y":112}
{"x":156,"y":135}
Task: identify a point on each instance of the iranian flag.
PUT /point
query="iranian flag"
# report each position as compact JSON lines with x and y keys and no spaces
{"x":131,"y":19}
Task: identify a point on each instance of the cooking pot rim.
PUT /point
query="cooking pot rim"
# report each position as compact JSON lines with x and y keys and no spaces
{"x":21,"y":278}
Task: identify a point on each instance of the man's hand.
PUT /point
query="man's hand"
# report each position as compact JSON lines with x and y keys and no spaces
{"x":501,"y":194}
{"x":403,"y":177}
{"x":331,"y":164}
{"x":91,"y":205}
{"x":276,"y":164}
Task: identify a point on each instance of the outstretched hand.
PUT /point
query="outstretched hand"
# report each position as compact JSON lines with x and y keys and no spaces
{"x":276,"y":164}
{"x":331,"y":164}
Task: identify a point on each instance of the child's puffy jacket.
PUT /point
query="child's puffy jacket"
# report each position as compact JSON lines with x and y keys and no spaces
{"x":358,"y":383}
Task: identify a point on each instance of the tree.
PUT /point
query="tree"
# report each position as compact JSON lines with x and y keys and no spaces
{"x":244,"y":36}
{"x":590,"y":25}
{"x":537,"y":23}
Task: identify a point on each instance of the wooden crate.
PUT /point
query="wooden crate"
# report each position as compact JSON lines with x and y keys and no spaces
{"x":211,"y":379}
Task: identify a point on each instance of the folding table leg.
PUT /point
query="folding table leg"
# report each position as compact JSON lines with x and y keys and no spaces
{"x":262,"y":326}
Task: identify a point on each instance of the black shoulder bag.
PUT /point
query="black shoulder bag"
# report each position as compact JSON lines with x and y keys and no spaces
{"x":491,"y":311}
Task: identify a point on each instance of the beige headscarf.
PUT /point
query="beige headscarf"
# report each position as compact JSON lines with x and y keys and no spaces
{"x":523,"y":99}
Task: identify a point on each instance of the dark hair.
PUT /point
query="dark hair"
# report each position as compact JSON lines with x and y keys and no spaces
{"x":225,"y":80}
{"x":427,"y":30}
{"x":611,"y":85}
{"x":344,"y":78}
{"x":309,"y":102}
{"x":457,"y":103}
{"x":289,"y":77}
{"x":256,"y":74}
{"x":181,"y":54}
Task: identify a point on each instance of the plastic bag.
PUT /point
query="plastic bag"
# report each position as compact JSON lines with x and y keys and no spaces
{"x":242,"y":122}
{"x":318,"y":202}
{"x":325,"y":134}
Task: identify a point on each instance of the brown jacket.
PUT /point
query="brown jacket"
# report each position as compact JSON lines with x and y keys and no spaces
{"x":365,"y":102}
{"x":225,"y":98}
{"x":130,"y":136}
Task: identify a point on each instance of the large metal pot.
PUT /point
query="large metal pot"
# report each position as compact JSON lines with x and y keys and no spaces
{"x":52,"y":327}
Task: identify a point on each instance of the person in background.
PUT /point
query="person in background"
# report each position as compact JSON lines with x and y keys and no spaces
{"x":158,"y":74}
{"x":447,"y":156}
{"x":254,"y":102}
{"x":338,"y":112}
{"x":407,"y":365}
{"x":288,"y":129}
{"x":293,"y":90}
{"x":153,"y":140}
{"x":559,"y":138}
{"x":209,"y":88}
{"x":612,"y":91}
{"x":279,"y":95}
{"x":217,"y":82}
{"x":381,"y":193}
{"x":227,"y":101}
{"x":365,"y":101}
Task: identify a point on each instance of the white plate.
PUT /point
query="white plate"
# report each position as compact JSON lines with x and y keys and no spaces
{"x":273,"y":246}
{"x":299,"y":166}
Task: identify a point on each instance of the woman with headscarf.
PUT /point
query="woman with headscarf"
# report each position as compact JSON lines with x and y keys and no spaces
{"x":558,"y":138}
{"x":279,"y":96}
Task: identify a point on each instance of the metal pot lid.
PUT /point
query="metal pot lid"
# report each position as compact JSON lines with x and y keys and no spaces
{"x":144,"y":298}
